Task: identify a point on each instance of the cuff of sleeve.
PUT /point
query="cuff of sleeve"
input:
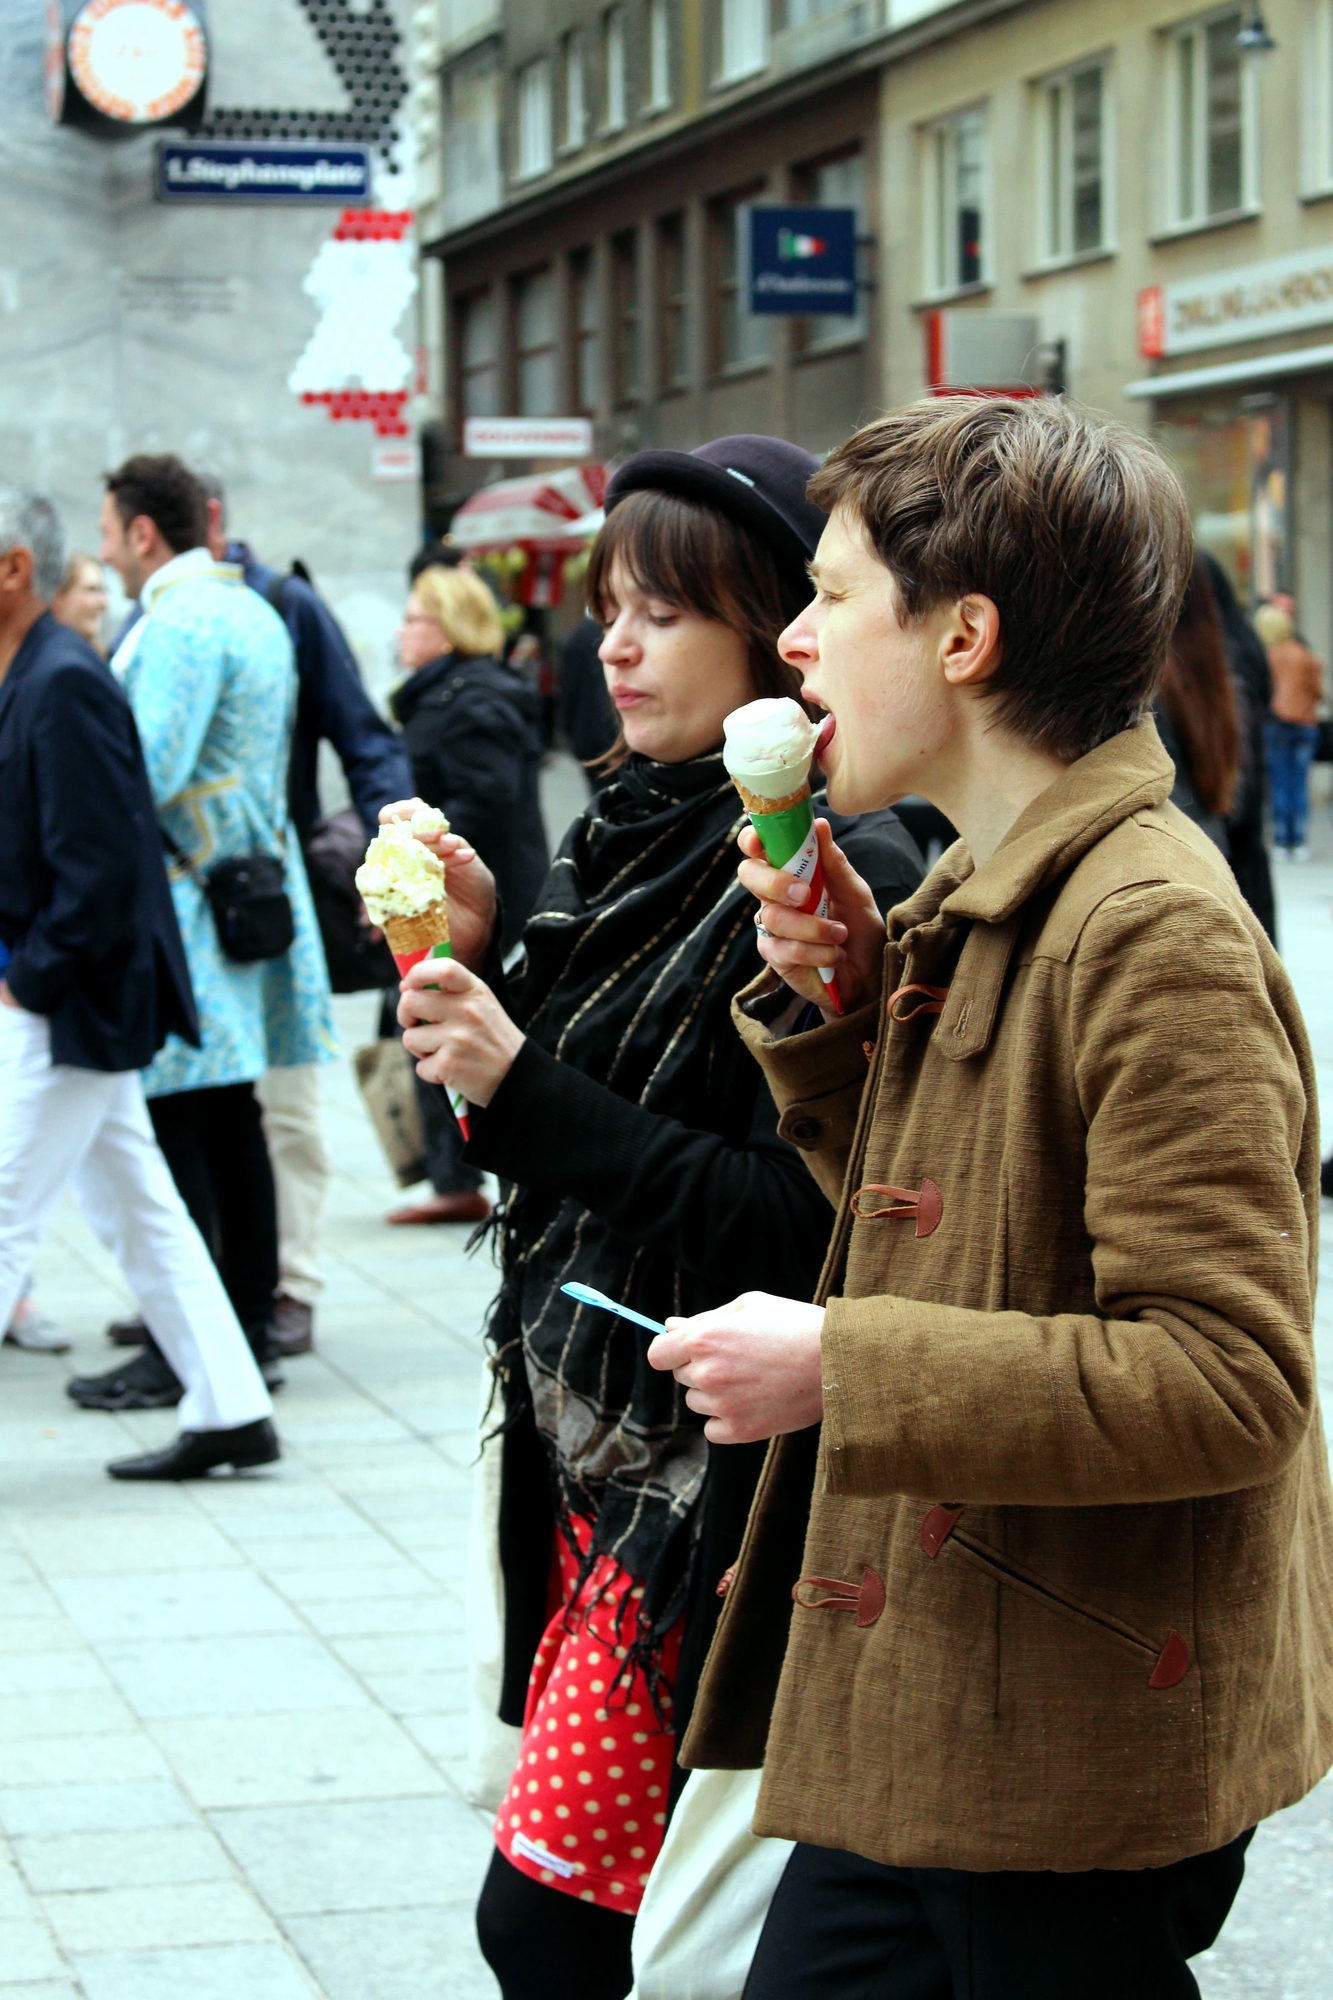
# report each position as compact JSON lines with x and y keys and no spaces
{"x":817,"y":1078}
{"x":509,"y":1131}
{"x":871,"y":1440}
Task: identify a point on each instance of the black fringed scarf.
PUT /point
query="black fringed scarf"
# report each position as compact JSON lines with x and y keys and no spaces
{"x":642,"y":938}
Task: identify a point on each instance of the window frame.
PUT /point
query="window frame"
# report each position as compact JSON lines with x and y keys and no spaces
{"x":723,"y":287}
{"x":585,"y":334}
{"x":546,"y":351}
{"x":745,"y":68}
{"x":1317,"y":101}
{"x":1054,"y":92}
{"x":626,"y":319}
{"x":1194,"y":33}
{"x":615,"y":80}
{"x":462,"y":305}
{"x":854,"y":328}
{"x":938,"y":283}
{"x":673,"y":300}
{"x":573,"y":90}
{"x":659,"y":38}
{"x":527,"y":102}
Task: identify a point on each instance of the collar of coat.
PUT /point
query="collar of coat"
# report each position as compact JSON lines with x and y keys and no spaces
{"x":1130,"y":773}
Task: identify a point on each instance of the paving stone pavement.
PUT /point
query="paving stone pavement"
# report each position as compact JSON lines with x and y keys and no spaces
{"x":232,"y":1715}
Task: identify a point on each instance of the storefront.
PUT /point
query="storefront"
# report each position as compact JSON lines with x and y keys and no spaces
{"x":1250,"y":433}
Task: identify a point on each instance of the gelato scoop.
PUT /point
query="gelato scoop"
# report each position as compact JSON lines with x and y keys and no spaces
{"x":767,"y":749}
{"x":400,"y":877}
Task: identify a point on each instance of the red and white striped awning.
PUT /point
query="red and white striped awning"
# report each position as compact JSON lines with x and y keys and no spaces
{"x":551,"y":513}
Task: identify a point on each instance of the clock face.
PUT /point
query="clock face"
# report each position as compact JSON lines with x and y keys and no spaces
{"x":137,"y":61}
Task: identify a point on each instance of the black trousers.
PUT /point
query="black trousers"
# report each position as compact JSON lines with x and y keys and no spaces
{"x":544,"y":1945}
{"x":841,"y":1928}
{"x":213,"y":1141}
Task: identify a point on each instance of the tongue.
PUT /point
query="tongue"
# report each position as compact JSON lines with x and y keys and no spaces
{"x":825,"y":736}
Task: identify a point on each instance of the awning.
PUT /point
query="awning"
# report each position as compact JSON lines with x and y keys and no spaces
{"x":1261,"y":368}
{"x":552,"y":513}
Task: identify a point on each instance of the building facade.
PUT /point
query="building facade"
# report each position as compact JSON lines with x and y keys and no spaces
{"x":128,"y":323}
{"x":1125,"y":201}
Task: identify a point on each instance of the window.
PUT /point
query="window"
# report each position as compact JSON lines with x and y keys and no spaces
{"x":744,"y":39}
{"x":472,"y":140}
{"x":1212,"y":109}
{"x":534,"y":120}
{"x":625,"y":311}
{"x":956,"y":202}
{"x":740,"y":337}
{"x":535,"y":343}
{"x":834,"y":184}
{"x":587,"y":343}
{"x":1075,"y":155}
{"x":673,"y":308}
{"x":478,"y":355}
{"x":575,"y":109}
{"x":659,"y":55}
{"x":613,"y":62}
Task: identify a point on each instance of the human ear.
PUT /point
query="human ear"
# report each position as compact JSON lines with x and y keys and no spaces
{"x":971,"y":647}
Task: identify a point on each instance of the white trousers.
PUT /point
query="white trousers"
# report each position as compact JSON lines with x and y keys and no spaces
{"x":90,"y":1129}
{"x":289,"y":1098}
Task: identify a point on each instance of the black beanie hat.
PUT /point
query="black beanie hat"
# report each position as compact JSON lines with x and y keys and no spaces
{"x":759,"y":481}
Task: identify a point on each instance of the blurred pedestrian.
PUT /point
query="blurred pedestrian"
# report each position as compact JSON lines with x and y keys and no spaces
{"x":612,"y":1090}
{"x":81,"y":600}
{"x":94,"y":979}
{"x":1292,"y":728}
{"x":1247,"y":833}
{"x":332,"y":707}
{"x":470,"y":725}
{"x":210,"y":677}
{"x":1196,"y":712}
{"x":584,"y":713}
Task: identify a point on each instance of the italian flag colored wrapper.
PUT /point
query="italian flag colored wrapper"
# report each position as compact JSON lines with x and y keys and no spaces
{"x":405,"y":960}
{"x":790,"y":842}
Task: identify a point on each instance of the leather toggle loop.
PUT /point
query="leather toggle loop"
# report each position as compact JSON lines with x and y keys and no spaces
{"x":867,"y":1600}
{"x":937,"y":1527}
{"x":933,"y":1003}
{"x":1173,"y":1663}
{"x":923,"y":1205}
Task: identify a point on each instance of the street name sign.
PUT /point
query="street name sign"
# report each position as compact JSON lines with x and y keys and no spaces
{"x":527,"y":437}
{"x":235,"y":170}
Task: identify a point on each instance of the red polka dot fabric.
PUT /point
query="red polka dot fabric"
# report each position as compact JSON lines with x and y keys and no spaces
{"x":586,"y":1809}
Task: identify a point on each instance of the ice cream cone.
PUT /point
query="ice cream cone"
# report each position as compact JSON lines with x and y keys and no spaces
{"x":758,"y":802}
{"x":419,"y":932}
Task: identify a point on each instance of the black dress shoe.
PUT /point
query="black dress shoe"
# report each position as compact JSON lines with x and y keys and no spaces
{"x":128,"y":1332}
{"x":193,"y":1454}
{"x":148,"y":1382}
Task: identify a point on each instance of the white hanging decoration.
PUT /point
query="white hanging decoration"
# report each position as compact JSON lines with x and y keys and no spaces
{"x":362,"y":280}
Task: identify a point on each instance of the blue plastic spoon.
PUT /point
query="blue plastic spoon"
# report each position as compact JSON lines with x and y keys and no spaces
{"x":588,"y":1296}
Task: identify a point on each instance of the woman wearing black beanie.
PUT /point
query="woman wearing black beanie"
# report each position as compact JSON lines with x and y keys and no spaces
{"x":641,"y":1154}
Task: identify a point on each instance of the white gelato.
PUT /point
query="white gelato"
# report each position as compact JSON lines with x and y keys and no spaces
{"x":400,"y":877}
{"x":768,"y":746}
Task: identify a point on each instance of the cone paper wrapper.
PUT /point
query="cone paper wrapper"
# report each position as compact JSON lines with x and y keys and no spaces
{"x":409,"y":948}
{"x":786,"y":829}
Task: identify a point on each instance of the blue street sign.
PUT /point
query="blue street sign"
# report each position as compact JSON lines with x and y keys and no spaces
{"x":803,"y":260}
{"x":235,"y":170}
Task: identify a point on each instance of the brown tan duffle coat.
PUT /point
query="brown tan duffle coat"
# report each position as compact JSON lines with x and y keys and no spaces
{"x":1066,"y":1595}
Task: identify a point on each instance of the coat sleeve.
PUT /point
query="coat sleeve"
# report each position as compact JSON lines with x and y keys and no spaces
{"x":1195,"y":1373}
{"x":736,"y":1216}
{"x":335,"y":707}
{"x":84,"y":756}
{"x":174,"y":685}
{"x":468,"y":753}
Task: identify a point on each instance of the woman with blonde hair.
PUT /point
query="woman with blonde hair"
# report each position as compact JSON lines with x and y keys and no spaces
{"x":81,"y":600}
{"x":471,"y":728}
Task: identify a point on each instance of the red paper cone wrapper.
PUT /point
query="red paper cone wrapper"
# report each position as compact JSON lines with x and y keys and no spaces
{"x":405,"y":960}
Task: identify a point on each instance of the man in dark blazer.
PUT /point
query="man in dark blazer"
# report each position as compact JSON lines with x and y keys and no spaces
{"x":93,"y":982}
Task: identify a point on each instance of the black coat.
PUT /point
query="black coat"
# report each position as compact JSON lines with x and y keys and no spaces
{"x":85,"y":909}
{"x":473,"y":732}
